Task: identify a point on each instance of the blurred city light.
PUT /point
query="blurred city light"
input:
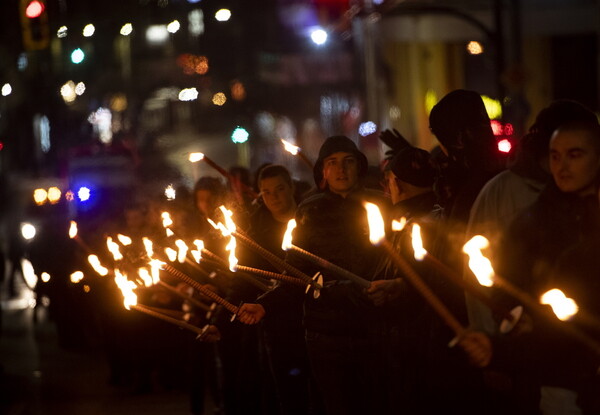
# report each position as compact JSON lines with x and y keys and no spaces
{"x":84,"y":194}
{"x":22,"y":61}
{"x":430,"y":100}
{"x":475,"y":48}
{"x":40,"y":196}
{"x":223,"y":15}
{"x":240,"y":135}
{"x":238,"y":92}
{"x":69,"y":196}
{"x":219,"y":99}
{"x":6,"y":90}
{"x":196,"y":22}
{"x":194,"y":1}
{"x":367,"y":128}
{"x":504,"y":146}
{"x":126,"y":29}
{"x":34,"y":9}
{"x":192,"y":64}
{"x":80,"y":88}
{"x":395,"y":112}
{"x":493,"y":107}
{"x":45,"y":277}
{"x":188,"y":94}
{"x":170,"y":192}
{"x":67,"y":91}
{"x":174,"y":26}
{"x":101,"y":119}
{"x":157,"y":34}
{"x":118,"y":103}
{"x":28,"y":231}
{"x":318,"y":36}
{"x":41,"y":131}
{"x":54,"y":194}
{"x":62,"y":32}
{"x":76,"y":277}
{"x":77,"y":56}
{"x":89,"y":30}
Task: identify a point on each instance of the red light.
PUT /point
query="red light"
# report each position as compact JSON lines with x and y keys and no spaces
{"x":496,"y":127}
{"x":1,"y":145}
{"x":34,"y":9}
{"x":504,"y":146}
{"x":509,"y":129}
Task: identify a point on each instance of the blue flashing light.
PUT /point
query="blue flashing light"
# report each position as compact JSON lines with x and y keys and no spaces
{"x":84,"y":194}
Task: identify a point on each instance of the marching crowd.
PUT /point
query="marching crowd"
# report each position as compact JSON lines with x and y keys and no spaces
{"x":383,"y":349}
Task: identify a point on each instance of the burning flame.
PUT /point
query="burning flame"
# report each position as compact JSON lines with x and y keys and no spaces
{"x":417,"y":243}
{"x":218,"y":226}
{"x":113,"y":248}
{"x":148,"y":246}
{"x":182,"y":250}
{"x":125,"y":240}
{"x":155,"y":267}
{"x":196,"y":255}
{"x":563,"y":307}
{"x":290,"y":147}
{"x":171,"y":254}
{"x":126,"y":288}
{"x":397,"y":226}
{"x":376,"y":226}
{"x":145,"y":276}
{"x":479,"y":264}
{"x":231,"y":228}
{"x":95,"y":263}
{"x":73,"y":229}
{"x":76,"y":277}
{"x":167,"y":221}
{"x":194,"y":157}
{"x":286,"y":244}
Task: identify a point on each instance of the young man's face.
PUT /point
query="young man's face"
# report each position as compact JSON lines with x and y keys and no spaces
{"x":574,"y":161}
{"x":277,"y":194}
{"x":340,"y":170}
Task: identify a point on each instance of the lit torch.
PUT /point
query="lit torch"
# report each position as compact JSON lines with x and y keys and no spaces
{"x":196,"y":157}
{"x":113,"y":248}
{"x":377,"y":237}
{"x":97,"y":266}
{"x":317,"y":260}
{"x":167,"y":221}
{"x":73,"y":235}
{"x":563,"y":307}
{"x":296,"y":151}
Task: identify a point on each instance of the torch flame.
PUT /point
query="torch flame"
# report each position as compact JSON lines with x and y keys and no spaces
{"x":155,"y":267}
{"x":148,"y":246}
{"x":218,"y":226}
{"x":417,"y":243}
{"x":563,"y":307}
{"x":167,"y":221}
{"x":194,"y":157}
{"x":182,"y":250}
{"x":196,"y":255}
{"x":397,"y":226}
{"x":76,"y":277}
{"x":376,"y":226}
{"x":126,"y":288}
{"x":171,"y":254}
{"x":145,"y":276}
{"x":125,"y":240}
{"x":95,"y":263}
{"x":73,"y":229}
{"x":290,"y":147}
{"x":113,"y":248}
{"x":286,"y":244}
{"x":479,"y":264}
{"x":231,"y":228}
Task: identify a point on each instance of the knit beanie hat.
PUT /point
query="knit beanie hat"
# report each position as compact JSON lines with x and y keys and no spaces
{"x":336,"y":144}
{"x":414,"y":166}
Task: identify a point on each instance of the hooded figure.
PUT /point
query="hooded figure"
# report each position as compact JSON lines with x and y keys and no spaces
{"x":337,"y":144}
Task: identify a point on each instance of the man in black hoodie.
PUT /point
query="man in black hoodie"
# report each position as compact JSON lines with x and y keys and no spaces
{"x":333,"y":224}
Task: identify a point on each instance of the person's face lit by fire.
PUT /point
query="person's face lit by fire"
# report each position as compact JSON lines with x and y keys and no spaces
{"x":340,"y":171}
{"x":278,"y":195}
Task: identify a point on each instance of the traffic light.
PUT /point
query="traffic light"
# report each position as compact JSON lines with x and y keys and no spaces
{"x":34,"y":24}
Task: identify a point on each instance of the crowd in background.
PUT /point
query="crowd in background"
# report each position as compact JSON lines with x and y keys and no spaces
{"x":355,"y":350}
